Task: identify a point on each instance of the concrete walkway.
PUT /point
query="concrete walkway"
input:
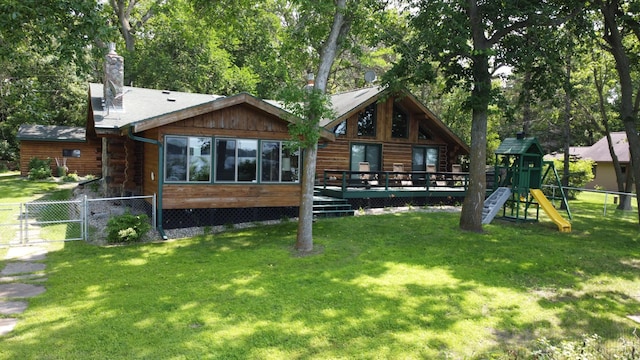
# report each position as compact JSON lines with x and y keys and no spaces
{"x":19,"y":281}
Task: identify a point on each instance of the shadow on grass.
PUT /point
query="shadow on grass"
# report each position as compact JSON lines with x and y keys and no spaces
{"x":389,"y":286}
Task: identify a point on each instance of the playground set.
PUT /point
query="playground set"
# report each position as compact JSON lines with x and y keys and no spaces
{"x":520,"y":172}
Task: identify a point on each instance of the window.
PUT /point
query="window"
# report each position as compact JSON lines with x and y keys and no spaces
{"x":370,"y":153}
{"x":237,"y":160}
{"x":367,"y":121}
{"x":278,"y":163}
{"x":188,"y":159}
{"x":399,"y":123}
{"x":422,"y":157}
{"x":71,"y":153}
{"x":424,"y":134}
{"x":340,"y":129}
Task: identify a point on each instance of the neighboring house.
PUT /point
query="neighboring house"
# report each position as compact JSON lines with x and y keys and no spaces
{"x":82,"y":154}
{"x":214,"y":160}
{"x":603,"y":170}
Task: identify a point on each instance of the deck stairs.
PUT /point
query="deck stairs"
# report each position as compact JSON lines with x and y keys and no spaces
{"x":494,"y":203}
{"x":326,"y":206}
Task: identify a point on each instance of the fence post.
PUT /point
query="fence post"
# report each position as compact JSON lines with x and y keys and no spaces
{"x":26,"y":224}
{"x":153,"y":212}
{"x":85,"y":219}
{"x":21,"y":218}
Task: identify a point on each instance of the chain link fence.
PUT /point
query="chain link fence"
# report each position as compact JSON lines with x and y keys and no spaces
{"x":52,"y":221}
{"x":79,"y":219}
{"x":10,"y":223}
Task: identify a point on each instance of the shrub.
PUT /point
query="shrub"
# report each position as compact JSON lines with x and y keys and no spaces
{"x":127,"y":228}
{"x":3,"y":168}
{"x":7,"y":152}
{"x":580,"y":173}
{"x":39,"y":169}
{"x":71,"y":177}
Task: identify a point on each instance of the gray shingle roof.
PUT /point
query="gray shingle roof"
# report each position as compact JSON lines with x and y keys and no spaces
{"x":599,"y":151}
{"x":51,"y":133}
{"x":345,"y":102}
{"x":142,"y":104}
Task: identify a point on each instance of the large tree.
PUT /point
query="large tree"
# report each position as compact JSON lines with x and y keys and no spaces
{"x":465,"y":39}
{"x":45,"y":61}
{"x":621,"y":34}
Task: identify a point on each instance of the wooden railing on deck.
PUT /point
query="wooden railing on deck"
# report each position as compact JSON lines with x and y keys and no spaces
{"x":395,"y":179}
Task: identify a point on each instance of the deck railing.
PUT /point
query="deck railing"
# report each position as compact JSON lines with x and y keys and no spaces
{"x":394,"y":180}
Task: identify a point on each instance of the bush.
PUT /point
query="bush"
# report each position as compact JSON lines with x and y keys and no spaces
{"x":127,"y":228}
{"x":39,"y":169}
{"x":71,"y":177}
{"x":580,"y":173}
{"x":7,"y":152}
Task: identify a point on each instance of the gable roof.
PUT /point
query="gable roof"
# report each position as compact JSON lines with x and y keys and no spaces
{"x":149,"y":108}
{"x":599,"y":151}
{"x":344,"y":104}
{"x":574,"y":152}
{"x":516,"y":146}
{"x":349,"y":103}
{"x":51,"y":133}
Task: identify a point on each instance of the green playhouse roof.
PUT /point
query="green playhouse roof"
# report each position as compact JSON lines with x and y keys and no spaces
{"x":515,"y":146}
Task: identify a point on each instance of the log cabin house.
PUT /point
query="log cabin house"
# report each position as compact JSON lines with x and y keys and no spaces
{"x":214,"y":160}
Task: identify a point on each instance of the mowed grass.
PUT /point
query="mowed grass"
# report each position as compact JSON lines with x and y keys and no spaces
{"x":395,"y":286}
{"x":15,"y":190}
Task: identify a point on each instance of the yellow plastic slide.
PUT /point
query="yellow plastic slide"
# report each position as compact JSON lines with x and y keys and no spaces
{"x":547,"y":206}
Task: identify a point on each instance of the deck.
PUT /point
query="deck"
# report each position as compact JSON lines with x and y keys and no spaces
{"x":384,"y":184}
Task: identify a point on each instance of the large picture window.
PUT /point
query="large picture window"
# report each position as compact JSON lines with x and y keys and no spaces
{"x":278,"y":164}
{"x":237,"y":161}
{"x":188,"y":159}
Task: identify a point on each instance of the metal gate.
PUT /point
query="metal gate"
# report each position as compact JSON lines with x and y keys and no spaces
{"x":51,"y":221}
{"x":47,"y":221}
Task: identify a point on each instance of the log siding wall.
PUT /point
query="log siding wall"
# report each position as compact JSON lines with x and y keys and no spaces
{"x":89,"y":162}
{"x":336,"y":155}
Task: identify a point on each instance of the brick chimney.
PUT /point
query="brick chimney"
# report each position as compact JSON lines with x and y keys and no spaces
{"x":113,"y":80}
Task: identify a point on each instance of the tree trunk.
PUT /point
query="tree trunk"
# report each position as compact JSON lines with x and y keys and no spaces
{"x":625,"y":201}
{"x":304,"y":239}
{"x":471,"y":214}
{"x":567,"y":127}
{"x":628,"y":113}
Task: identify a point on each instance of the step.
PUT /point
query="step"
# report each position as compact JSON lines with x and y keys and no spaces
{"x":327,"y":213}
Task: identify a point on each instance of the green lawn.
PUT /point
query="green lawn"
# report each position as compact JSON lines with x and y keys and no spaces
{"x":15,"y":190}
{"x":401,"y":286}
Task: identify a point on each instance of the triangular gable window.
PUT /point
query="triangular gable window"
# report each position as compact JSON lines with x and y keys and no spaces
{"x":424,"y":134}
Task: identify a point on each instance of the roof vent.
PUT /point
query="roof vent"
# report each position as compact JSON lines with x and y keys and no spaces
{"x":171,"y":99}
{"x":166,"y":92}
